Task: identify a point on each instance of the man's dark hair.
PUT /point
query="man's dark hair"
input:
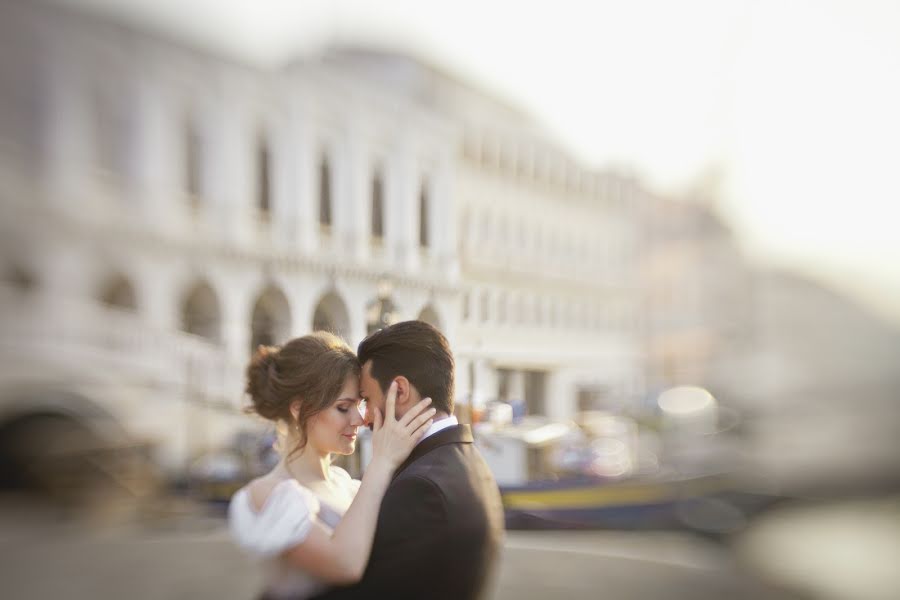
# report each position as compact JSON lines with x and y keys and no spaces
{"x":417,"y":351}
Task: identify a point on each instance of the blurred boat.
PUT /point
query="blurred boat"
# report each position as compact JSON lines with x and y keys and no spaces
{"x":633,"y":503}
{"x":599,"y":474}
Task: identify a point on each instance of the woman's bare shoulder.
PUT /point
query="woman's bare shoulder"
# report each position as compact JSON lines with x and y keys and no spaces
{"x":261,"y":489}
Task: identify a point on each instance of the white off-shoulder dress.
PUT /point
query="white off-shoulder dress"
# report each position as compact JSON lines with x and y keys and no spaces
{"x":284,"y":521}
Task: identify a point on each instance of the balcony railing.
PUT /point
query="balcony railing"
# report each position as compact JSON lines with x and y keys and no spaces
{"x":91,"y":337}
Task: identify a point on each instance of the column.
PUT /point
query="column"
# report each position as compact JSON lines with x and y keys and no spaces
{"x":358,"y":174}
{"x":305,"y":160}
{"x":402,"y":189}
{"x":485,"y":382}
{"x":343,"y":192}
{"x":155,"y":156}
{"x":229,"y":178}
{"x":517,"y":385}
{"x":443,"y":219}
{"x":235,"y":303}
{"x":282,"y":188}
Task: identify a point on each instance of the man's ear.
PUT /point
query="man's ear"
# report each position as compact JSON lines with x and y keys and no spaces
{"x":405,"y":392}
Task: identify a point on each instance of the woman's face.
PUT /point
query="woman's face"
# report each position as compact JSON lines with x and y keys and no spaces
{"x":334,"y":429}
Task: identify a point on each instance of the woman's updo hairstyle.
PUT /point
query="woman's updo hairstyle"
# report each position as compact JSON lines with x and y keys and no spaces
{"x":312,"y":369}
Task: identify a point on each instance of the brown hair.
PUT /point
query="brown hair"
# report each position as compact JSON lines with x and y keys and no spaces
{"x":417,"y":351}
{"x":311,"y":369}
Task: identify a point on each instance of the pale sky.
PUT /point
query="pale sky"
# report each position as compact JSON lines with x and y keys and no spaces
{"x":793,"y":104}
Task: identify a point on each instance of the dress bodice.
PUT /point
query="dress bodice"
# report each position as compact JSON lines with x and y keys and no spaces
{"x":282,"y":522}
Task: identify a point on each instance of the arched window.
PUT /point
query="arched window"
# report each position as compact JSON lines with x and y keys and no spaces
{"x":429,"y":315}
{"x":119,"y":293}
{"x":331,"y":315}
{"x":200,"y":314}
{"x":270,"y":321}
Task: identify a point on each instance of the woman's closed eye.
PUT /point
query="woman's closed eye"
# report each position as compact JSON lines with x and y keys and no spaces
{"x":345,"y":406}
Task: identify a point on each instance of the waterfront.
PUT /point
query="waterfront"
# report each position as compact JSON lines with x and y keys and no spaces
{"x":185,"y":552}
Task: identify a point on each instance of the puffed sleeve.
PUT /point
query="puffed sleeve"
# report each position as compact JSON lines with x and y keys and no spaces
{"x":283,"y":522}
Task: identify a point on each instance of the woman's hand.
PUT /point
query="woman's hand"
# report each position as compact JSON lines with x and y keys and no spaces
{"x":393,"y":439}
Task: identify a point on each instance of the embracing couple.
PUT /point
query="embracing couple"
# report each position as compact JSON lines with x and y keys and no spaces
{"x":426,"y":520}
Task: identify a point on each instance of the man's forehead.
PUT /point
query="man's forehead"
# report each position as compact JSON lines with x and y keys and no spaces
{"x":366,"y":380}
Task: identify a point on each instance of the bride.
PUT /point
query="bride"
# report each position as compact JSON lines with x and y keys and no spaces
{"x":308,"y":520}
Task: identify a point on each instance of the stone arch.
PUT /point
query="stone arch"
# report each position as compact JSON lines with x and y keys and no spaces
{"x":330,"y":314}
{"x":429,"y":314}
{"x":201,"y":313}
{"x":54,"y":443}
{"x":118,"y":292}
{"x":270,"y":319}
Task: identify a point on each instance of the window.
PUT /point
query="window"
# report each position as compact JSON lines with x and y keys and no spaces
{"x":264,"y":200}
{"x":192,"y":164}
{"x":377,"y":207}
{"x":423,"y":216}
{"x":325,"y":193}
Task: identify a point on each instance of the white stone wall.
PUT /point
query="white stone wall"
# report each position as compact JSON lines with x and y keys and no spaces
{"x":548,"y":255}
{"x":514,"y":225}
{"x":118,"y":205}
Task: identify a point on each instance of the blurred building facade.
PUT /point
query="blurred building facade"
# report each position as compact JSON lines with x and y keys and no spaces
{"x":166,"y":211}
{"x":697,"y":297}
{"x":547,"y":252}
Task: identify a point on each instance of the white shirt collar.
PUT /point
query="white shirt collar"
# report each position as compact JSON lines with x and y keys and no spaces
{"x":439,"y":426}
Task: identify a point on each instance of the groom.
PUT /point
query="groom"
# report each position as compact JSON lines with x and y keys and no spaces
{"x":441,"y":522}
